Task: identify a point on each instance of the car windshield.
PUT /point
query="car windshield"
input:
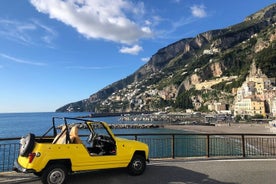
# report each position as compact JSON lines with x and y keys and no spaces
{"x":98,"y":129}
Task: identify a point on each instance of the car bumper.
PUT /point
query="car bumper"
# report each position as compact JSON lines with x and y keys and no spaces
{"x":18,"y":168}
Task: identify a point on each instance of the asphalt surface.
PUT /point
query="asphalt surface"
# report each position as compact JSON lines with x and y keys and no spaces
{"x":178,"y":171}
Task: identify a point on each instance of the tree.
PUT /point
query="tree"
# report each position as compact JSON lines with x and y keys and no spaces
{"x":183,"y":101}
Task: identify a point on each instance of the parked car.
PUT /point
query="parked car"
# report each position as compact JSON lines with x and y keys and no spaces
{"x":54,"y":157}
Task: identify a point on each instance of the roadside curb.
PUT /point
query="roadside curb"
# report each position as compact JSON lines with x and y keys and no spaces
{"x":14,"y":177}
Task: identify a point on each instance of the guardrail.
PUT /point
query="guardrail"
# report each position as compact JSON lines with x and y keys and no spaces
{"x":9,"y":149}
{"x":178,"y":145}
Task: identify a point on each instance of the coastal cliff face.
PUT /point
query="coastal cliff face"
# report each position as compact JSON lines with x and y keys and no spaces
{"x":219,"y":59}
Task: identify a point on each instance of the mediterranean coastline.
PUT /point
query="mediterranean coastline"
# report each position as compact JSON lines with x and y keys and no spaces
{"x":248,"y":128}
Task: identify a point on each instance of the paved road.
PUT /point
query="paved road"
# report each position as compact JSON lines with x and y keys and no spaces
{"x":242,"y":171}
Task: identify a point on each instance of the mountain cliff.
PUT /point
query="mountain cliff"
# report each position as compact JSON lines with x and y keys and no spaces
{"x":193,"y":72}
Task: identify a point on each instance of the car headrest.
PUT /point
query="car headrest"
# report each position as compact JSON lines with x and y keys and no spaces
{"x":74,"y":131}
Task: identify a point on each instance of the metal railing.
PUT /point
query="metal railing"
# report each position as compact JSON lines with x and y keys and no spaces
{"x":208,"y":145}
{"x":178,"y":145}
{"x":9,"y":149}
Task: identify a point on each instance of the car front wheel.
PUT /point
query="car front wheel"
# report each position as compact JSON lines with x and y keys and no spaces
{"x":137,"y":165}
{"x":54,"y":174}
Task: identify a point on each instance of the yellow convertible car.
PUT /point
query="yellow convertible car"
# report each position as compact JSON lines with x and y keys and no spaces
{"x":65,"y":151}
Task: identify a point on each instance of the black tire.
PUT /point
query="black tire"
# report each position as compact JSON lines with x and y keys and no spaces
{"x":54,"y":174}
{"x":39,"y":174}
{"x":27,"y":145}
{"x":137,"y":165}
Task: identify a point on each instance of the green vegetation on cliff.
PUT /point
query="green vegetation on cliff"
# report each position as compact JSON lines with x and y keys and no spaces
{"x":173,"y":76}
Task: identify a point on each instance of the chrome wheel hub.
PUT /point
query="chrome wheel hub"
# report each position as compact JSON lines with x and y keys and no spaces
{"x":56,"y":177}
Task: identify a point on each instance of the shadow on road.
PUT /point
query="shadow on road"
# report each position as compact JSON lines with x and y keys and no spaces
{"x":153,"y":174}
{"x":173,"y":172}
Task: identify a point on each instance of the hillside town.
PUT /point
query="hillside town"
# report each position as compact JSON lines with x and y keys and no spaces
{"x":254,"y":100}
{"x":257,"y":96}
{"x":208,"y":73}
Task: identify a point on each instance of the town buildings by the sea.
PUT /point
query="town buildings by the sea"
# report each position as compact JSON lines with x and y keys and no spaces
{"x":256,"y":96}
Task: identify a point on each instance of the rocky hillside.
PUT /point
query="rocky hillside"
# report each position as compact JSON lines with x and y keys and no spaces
{"x":193,"y":72}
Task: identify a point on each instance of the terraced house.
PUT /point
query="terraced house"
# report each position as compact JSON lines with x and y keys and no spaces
{"x":256,"y":96}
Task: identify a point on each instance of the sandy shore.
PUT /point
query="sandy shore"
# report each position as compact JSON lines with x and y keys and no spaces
{"x":225,"y":128}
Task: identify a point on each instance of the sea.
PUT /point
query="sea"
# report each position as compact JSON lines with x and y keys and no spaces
{"x":20,"y":124}
{"x":16,"y":125}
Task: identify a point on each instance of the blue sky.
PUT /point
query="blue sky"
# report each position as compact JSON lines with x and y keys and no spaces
{"x":53,"y":52}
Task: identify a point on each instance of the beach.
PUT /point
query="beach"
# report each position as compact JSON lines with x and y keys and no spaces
{"x":248,"y":128}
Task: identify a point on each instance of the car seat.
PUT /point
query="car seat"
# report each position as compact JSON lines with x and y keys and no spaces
{"x":74,"y":136}
{"x":61,"y":137}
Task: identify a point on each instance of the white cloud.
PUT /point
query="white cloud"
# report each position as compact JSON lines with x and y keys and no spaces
{"x":198,"y":11}
{"x":148,"y":22}
{"x":49,"y":34}
{"x":98,"y":19}
{"x":145,"y":59}
{"x":28,"y":33}
{"x":134,"y":50}
{"x":176,"y":1}
{"x":16,"y":31}
{"x":21,"y":61}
